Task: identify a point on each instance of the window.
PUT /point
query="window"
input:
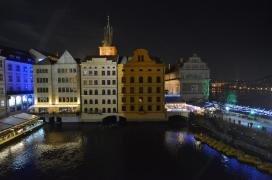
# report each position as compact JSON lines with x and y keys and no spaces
{"x":141,"y":89}
{"x":109,"y":110}
{"x":123,"y":90}
{"x":149,"y":79}
{"x":149,"y":90}
{"x":131,"y":90}
{"x":85,"y":101}
{"x":131,"y":108}
{"x":103,"y":82}
{"x":17,"y":68}
{"x":103,"y":101}
{"x":96,"y":110}
{"x":104,"y":110}
{"x":113,"y":82}
{"x":123,"y":108}
{"x":131,"y":70}
{"x":90,"y":92}
{"x":85,"y":92}
{"x":123,"y":79}
{"x":132,"y":99}
{"x":91,"y":110}
{"x":108,"y":73}
{"x":158,"y":99}
{"x":103,"y":92}
{"x":124,"y":99}
{"x":114,"y":101}
{"x":158,"y":69}
{"x":10,"y":67}
{"x":149,"y":108}
{"x":114,"y":110}
{"x":113,"y":73}
{"x":158,"y":90}
{"x":149,"y":69}
{"x":96,"y":101}
{"x":1,"y":64}
{"x":95,"y":82}
{"x":158,"y":108}
{"x":108,"y":91}
{"x":141,"y":108}
{"x":95,"y":73}
{"x":149,"y":99}
{"x":85,"y":110}
{"x":158,"y":79}
{"x":1,"y":77}
{"x":103,"y":73}
{"x":109,"y":101}
{"x":131,"y":79}
{"x":108,"y":82}
{"x":140,"y":58}
{"x":90,"y":101}
{"x":96,"y":92}
{"x":141,"y":79}
{"x":114,"y":92}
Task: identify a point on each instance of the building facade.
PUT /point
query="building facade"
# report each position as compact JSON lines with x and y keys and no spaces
{"x":195,"y":79}
{"x":16,"y":80}
{"x":57,"y":85}
{"x":141,"y":88}
{"x":172,"y":80}
{"x":98,"y":87}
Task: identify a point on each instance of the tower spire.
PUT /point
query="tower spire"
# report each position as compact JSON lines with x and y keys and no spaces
{"x":107,"y":48}
{"x":108,"y":33}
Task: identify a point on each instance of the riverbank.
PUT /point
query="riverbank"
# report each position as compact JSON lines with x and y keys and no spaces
{"x":233,"y":152}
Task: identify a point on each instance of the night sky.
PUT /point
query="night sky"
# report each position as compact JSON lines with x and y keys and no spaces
{"x":233,"y":37}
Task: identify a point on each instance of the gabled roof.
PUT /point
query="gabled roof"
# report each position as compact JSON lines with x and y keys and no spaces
{"x":66,"y":58}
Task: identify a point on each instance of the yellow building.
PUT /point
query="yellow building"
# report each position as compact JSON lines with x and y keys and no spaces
{"x":141,"y":88}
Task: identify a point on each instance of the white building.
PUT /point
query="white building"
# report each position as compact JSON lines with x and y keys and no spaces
{"x":98,"y":88}
{"x":57,"y":85}
{"x":195,"y":79}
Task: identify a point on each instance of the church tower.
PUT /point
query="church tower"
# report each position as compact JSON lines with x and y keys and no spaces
{"x":107,"y":49}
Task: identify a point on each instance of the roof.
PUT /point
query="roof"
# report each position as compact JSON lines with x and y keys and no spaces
{"x":16,"y":55}
{"x":16,"y":120}
{"x":89,"y":57}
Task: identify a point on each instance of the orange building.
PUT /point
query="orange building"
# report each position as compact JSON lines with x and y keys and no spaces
{"x":141,"y":88}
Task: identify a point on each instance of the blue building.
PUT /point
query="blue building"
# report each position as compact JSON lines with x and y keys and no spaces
{"x":16,"y":80}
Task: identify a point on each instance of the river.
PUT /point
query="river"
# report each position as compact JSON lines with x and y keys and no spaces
{"x":136,"y":151}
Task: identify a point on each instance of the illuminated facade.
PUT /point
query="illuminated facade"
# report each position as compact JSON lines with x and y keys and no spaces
{"x":141,"y":88}
{"x":98,"y":87}
{"x":107,"y":49}
{"x":16,"y":79}
{"x":195,"y":79}
{"x":57,"y":85}
{"x":2,"y":87}
{"x":172,"y":80}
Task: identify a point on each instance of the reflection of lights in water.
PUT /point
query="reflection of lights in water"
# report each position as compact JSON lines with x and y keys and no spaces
{"x":17,"y":147}
{"x":37,"y":136}
{"x":181,"y":138}
{"x":198,"y":145}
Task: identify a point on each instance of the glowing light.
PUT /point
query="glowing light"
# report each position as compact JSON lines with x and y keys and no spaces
{"x":18,"y":100}
{"x":24,"y":98}
{"x":227,"y":108}
{"x":12,"y":101}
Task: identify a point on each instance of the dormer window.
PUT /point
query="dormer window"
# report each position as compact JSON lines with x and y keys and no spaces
{"x":140,"y":58}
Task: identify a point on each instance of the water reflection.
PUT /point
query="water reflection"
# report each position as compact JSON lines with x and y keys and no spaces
{"x":131,"y":152}
{"x":174,"y":142}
